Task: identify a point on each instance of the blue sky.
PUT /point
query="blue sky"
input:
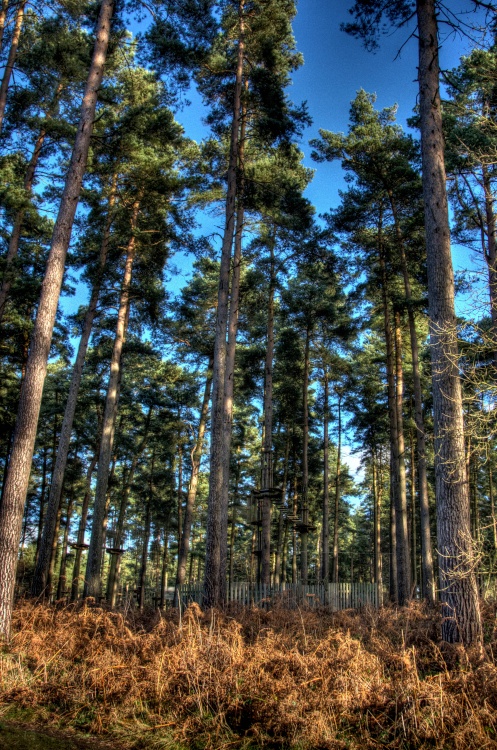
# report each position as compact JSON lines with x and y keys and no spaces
{"x":335,"y":67}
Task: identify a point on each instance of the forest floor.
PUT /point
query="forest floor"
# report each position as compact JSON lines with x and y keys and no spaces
{"x":250,"y":679}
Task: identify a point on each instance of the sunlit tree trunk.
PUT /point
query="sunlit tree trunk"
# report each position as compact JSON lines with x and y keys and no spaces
{"x":403,"y":557}
{"x":81,"y":531}
{"x":215,"y":560}
{"x":92,"y":576}
{"x":192,"y":486}
{"x":325,"y":566}
{"x":304,"y":565}
{"x":267,"y":449}
{"x":16,"y":485}
{"x":3,"y":16}
{"x":41,"y":571}
{"x":146,"y":538}
{"x":338,"y":488}
{"x":9,"y":66}
{"x":428,"y":588}
{"x":459,"y":593}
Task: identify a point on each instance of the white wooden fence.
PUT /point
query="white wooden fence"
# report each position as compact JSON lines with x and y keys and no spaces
{"x":336,"y":596}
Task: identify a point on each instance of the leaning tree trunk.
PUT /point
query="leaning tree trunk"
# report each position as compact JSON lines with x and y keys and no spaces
{"x":9,"y":67}
{"x":41,"y":570}
{"x":459,"y":593}
{"x":196,"y":457}
{"x":16,"y":485}
{"x":3,"y":16}
{"x":92,"y":577}
{"x":215,"y":569}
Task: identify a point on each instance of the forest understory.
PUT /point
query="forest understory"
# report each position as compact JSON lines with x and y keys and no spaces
{"x":251,"y":678}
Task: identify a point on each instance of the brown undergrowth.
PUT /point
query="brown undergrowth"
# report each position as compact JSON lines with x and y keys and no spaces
{"x":252,"y":678}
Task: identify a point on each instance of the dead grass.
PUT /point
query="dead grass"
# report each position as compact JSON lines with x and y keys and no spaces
{"x":252,"y":678}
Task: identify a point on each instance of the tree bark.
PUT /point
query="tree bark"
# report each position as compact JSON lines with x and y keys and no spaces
{"x":459,"y":593}
{"x":61,"y":584}
{"x":338,"y":486}
{"x":392,"y":416}
{"x":491,"y":255}
{"x":165,"y":560}
{"x":3,"y":16}
{"x":92,"y":578}
{"x":41,"y":570}
{"x":325,"y":566}
{"x":267,"y":450}
{"x":9,"y":67}
{"x":377,"y":524}
{"x":278,"y":560}
{"x":215,"y":565}
{"x":16,"y":486}
{"x":196,"y":457}
{"x":146,"y":538}
{"x":81,"y":530}
{"x":304,"y":565}
{"x":428,"y":585}
{"x":117,"y":540}
{"x":401,"y":526}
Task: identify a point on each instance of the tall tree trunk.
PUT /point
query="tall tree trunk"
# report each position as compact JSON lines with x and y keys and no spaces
{"x":376,"y":524}
{"x":459,"y":593}
{"x":428,"y":586}
{"x":41,"y":569}
{"x":413,"y":530}
{"x":294,"y":530}
{"x":61,"y":584}
{"x":403,"y":557}
{"x":325,"y":566}
{"x":165,"y":561}
{"x":92,"y":577}
{"x":81,"y":531}
{"x":196,"y":457}
{"x":16,"y":485}
{"x":146,"y":537}
{"x":42,"y":499}
{"x":215,"y":566}
{"x":491,"y":255}
{"x":233,"y":525}
{"x":305,"y":465}
{"x":179,"y":498}
{"x":278,"y":561}
{"x":267,"y":450}
{"x":9,"y":67}
{"x":392,"y":415}
{"x":3,"y":16}
{"x":115,"y":557}
{"x":338,"y":487}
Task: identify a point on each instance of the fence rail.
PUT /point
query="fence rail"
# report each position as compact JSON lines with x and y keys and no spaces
{"x":336,"y":596}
